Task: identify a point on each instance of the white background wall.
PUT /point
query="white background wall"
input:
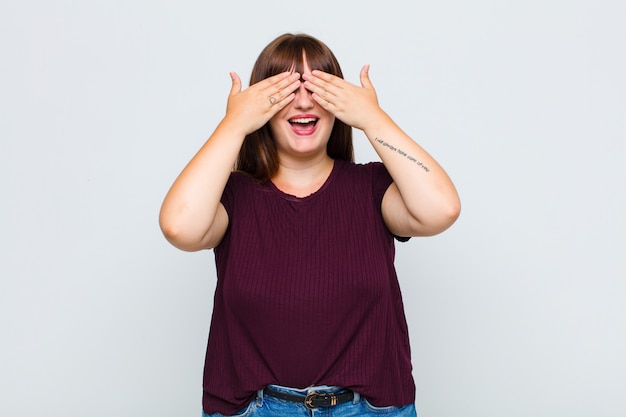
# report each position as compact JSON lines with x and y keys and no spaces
{"x":517,"y":310}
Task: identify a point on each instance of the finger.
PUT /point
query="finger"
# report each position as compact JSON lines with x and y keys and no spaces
{"x":288,"y":85}
{"x":321,"y":88}
{"x":236,"y":84}
{"x":283,"y":89}
{"x":326,"y":105}
{"x":365,"y":77}
{"x":284,"y":102}
{"x":324,"y":76}
{"x":276,"y":82}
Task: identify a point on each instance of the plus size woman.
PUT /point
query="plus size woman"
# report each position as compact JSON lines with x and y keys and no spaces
{"x":308,"y":316}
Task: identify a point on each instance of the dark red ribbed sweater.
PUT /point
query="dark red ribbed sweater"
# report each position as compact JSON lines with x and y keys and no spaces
{"x":307,"y":293}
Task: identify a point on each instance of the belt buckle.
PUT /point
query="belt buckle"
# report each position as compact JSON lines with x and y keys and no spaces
{"x":308,"y":400}
{"x":311,"y":396}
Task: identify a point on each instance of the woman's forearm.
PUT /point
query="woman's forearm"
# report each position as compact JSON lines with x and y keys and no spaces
{"x":426,"y":191}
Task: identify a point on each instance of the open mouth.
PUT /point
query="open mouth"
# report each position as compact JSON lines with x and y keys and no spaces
{"x":303,"y":123}
{"x":303,"y":126}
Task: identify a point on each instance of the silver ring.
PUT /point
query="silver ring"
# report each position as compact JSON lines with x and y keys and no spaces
{"x":272,"y":100}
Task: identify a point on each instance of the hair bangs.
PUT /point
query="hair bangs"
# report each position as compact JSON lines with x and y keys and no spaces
{"x":287,"y":53}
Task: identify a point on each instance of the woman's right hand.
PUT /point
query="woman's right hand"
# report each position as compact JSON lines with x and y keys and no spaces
{"x":253,"y":107}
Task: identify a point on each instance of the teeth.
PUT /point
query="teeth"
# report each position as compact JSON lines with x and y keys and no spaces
{"x":303,"y":120}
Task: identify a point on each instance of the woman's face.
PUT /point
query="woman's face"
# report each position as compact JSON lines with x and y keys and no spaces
{"x":303,"y":127}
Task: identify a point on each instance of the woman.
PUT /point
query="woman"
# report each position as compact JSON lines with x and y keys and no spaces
{"x":307,"y":312}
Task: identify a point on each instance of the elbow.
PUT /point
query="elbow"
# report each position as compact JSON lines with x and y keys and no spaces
{"x":171,"y":232}
{"x":177,"y":235}
{"x":440,"y":221}
{"x":453,"y":211}
{"x":449,"y":215}
{"x":190,"y":233}
{"x":180,"y":240}
{"x":168,"y":226}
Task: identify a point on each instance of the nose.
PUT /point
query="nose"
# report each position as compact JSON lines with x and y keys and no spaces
{"x":303,"y":98}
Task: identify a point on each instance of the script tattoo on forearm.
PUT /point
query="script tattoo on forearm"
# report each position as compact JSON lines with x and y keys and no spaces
{"x":401,"y":152}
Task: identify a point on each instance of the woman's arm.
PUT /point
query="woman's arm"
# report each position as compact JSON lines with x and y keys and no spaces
{"x":192,"y":217}
{"x":422,"y":199}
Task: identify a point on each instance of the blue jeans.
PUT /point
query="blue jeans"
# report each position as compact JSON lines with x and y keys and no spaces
{"x":267,"y":406}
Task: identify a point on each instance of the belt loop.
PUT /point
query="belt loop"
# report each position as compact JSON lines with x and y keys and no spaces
{"x":357,"y":398}
{"x":259,"y":398}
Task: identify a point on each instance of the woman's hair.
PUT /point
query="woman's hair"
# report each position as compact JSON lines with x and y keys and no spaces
{"x":258,"y":156}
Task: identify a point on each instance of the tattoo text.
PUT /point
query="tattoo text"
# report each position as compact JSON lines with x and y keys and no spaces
{"x":401,"y":152}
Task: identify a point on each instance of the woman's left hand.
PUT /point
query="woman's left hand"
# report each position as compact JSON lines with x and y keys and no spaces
{"x":355,"y":106}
